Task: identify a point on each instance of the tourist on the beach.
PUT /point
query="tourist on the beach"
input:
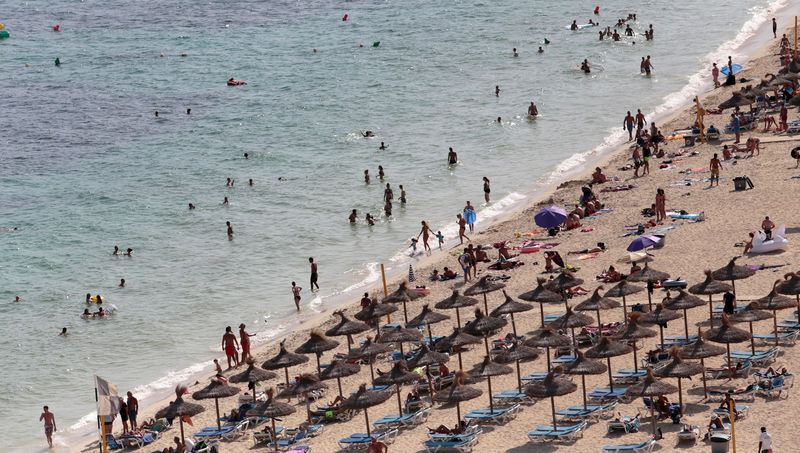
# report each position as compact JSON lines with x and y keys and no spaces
{"x":764,"y":440}
{"x":246,"y":156}
{"x":502,"y":252}
{"x":585,"y":66}
{"x":245,"y":342}
{"x":598,"y":177}
{"x":748,"y":245}
{"x":49,"y":425}
{"x":715,"y":75}
{"x":365,"y":301}
{"x":602,"y":33}
{"x":774,"y":28}
{"x":116,"y":249}
{"x":497,"y":90}
{"x":662,"y":405}
{"x":228,"y":183}
{"x":452,"y":157}
{"x":366,"y":176}
{"x":376,"y":446}
{"x":572,"y":221}
{"x":635,"y":268}
{"x":637,"y":162}
{"x":440,"y":238}
{"x":481,"y":255}
{"x":601,"y":247}
{"x":464,"y":261}
{"x":230,"y":345}
{"x":462,"y":226}
{"x":101,"y":313}
{"x":448,"y":274}
{"x":784,"y":116}
{"x":516,"y":54}
{"x":122,"y":283}
{"x":469,"y":212}
{"x":217,"y":366}
{"x":313,"y":274}
{"x":387,"y":208}
{"x":63,"y":332}
{"x":645,"y":160}
{"x":532,"y":110}
{"x":736,"y":126}
{"x":388,"y":195}
{"x":715,"y":422}
{"x":715,"y":166}
{"x":381,"y":175}
{"x":296,"y":292}
{"x":486,"y":188}
{"x":641,"y":66}
{"x":353,"y":216}
{"x":123,"y":414}
{"x":499,"y":120}
{"x":640,"y":119}
{"x":370,"y":219}
{"x":436,"y":276}
{"x":402,"y":194}
{"x":785,"y":42}
{"x":225,"y":201}
{"x":729,"y":302}
{"x":414,"y":242}
{"x":188,"y":111}
{"x":726,"y":152}
{"x":382,"y":147}
{"x":425,"y":233}
{"x":627,"y":124}
{"x":628,"y":31}
{"x":767,"y":226}
{"x":615,"y":36}
{"x":133,"y":409}
{"x":156,"y":113}
{"x":661,"y":202}
{"x":472,"y":261}
{"x":230,"y":228}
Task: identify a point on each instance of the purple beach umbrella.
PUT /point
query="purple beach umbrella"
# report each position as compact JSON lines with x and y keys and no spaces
{"x":643,"y":242}
{"x":550,"y":217}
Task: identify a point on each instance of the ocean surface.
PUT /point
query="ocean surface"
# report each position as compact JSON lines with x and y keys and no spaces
{"x":85,"y":165}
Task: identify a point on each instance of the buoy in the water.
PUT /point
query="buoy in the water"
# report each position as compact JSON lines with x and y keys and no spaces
{"x":376,"y":44}
{"x":315,"y":49}
{"x":26,"y":65}
{"x":4,"y":34}
{"x":184,"y":55}
{"x":57,"y":27}
{"x":161,"y":55}
{"x":361,"y":45}
{"x":597,"y":10}
{"x":344,"y":18}
{"x":2,"y":26}
{"x":58,"y":61}
{"x":546,"y":41}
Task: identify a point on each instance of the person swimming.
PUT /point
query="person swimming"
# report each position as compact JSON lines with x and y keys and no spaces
{"x":368,"y":134}
{"x":382,"y":147}
{"x":532,"y":110}
{"x":585,"y":67}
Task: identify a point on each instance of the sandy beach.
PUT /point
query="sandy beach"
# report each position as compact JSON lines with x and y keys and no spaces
{"x":689,"y":249}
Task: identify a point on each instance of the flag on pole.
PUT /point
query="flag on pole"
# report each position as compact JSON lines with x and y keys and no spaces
{"x":107,"y":397}
{"x":411,"y":277}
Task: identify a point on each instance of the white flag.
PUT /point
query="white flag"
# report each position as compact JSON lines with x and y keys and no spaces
{"x":107,"y":397}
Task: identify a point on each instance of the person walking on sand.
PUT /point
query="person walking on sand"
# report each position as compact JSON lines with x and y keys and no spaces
{"x":440,"y":238}
{"x":764,"y":440}
{"x":425,"y":232}
{"x":486,"y":188}
{"x":133,"y":409}
{"x":472,"y":262}
{"x":230,"y":346}
{"x":627,"y":124}
{"x":715,"y":166}
{"x":296,"y":291}
{"x":49,"y":425}
{"x":637,"y":162}
{"x":314,"y":275}
{"x":463,"y":260}
{"x":736,"y":126}
{"x":462,"y":226}
{"x":452,"y":157}
{"x":661,"y":202}
{"x":245,"y":342}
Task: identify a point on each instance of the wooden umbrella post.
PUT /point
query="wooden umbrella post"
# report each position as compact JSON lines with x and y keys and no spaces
{"x":216,"y":404}
{"x":366,"y":418}
{"x":553,"y":407}
{"x":610,"y":380}
{"x":710,"y":312}
{"x":730,"y":373}
{"x":680,"y":397}
{"x":491,"y":403}
{"x":705,"y":389}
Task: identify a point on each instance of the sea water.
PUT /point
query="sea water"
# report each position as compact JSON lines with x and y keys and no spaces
{"x":86,"y":165}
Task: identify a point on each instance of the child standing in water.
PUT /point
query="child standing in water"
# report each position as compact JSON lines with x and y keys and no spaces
{"x":440,"y":237}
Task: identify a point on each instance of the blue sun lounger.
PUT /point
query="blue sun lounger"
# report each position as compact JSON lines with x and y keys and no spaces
{"x":360,"y":441}
{"x":546,"y":433}
{"x":463,"y":445}
{"x":564,"y":359}
{"x":785,"y":337}
{"x":537,"y":376}
{"x":591,"y":412}
{"x":499,"y":416}
{"x":603,"y":393}
{"x":404,"y":420}
{"x":627,"y":375}
{"x":227,"y":432}
{"x":644,"y":447}
{"x":511,"y":397}
{"x":760,"y":357}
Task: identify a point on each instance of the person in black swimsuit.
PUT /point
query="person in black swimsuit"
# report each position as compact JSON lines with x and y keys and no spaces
{"x":452,"y":157}
{"x":486,"y":189}
{"x":313,"y":274}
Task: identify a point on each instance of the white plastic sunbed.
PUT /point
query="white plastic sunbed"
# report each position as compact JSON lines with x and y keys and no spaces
{"x":562,"y":433}
{"x":644,"y":447}
{"x":463,"y":445}
{"x":499,"y":416}
{"x":403,"y":421}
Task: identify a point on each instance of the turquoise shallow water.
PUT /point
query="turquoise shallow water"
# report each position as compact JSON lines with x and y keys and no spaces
{"x":85,"y":165}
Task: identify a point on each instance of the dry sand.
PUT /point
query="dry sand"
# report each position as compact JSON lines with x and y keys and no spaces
{"x":689,"y":249}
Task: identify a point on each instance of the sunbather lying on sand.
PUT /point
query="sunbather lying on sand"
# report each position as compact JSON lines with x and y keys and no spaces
{"x":601,"y":247}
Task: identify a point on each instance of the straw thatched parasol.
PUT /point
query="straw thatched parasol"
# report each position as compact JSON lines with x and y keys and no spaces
{"x":337,"y":370}
{"x":305,"y":383}
{"x":709,"y":286}
{"x":727,"y":334}
{"x":732,"y":272}
{"x":737,"y":100}
{"x":399,"y":335}
{"x":683,"y":301}
{"x":596,"y":302}
{"x":565,"y":280}
{"x":795,"y":100}
{"x":633,"y":331}
{"x":458,"y":393}
{"x":455,"y":341}
{"x":272,"y":409}
{"x":364,"y":399}
{"x":425,"y":357}
{"x":750,"y":314}
{"x":648,"y":275}
{"x":570,"y":320}
{"x":252,"y":375}
{"x":179,"y":408}
{"x":547,"y":338}
{"x":551,"y":387}
{"x":456,"y":301}
{"x":791,"y":287}
{"x":702,"y":350}
{"x":583,"y":366}
{"x":541,"y":294}
{"x":677,"y":368}
{"x":605,"y":349}
{"x":484,"y":286}
{"x":316,"y":344}
{"x":660,"y":316}
{"x":346,"y":327}
{"x":374,"y":312}
{"x":216,"y":389}
{"x":487,"y":369}
{"x":484,"y":325}
{"x":284,"y":359}
{"x":774,"y":302}
{"x":397,"y":376}
{"x":369,"y":351}
{"x":509,"y":307}
{"x":651,"y":387}
{"x":515,"y":353}
{"x":622,"y":289}
{"x":426,"y":318}
{"x":404,"y":295}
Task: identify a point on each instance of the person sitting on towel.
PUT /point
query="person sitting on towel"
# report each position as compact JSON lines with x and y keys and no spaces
{"x":598,"y":177}
{"x":448,"y":274}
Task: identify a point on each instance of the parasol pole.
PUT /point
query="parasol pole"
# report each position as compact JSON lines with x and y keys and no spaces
{"x":399,"y":405}
{"x":541,"y":306}
{"x":775,"y":325}
{"x":216,"y":404}
{"x":653,"y":415}
{"x":624,"y":309}
{"x":366,"y":416}
{"x":730,"y":373}
{"x":460,"y":364}
{"x":705,"y":389}
{"x":583,"y":381}
{"x":635,"y":360}
{"x":491,"y":403}
{"x":486,"y":343}
{"x":553,"y":407}
{"x":513,"y":325}
{"x":339,"y":381}
{"x":680,"y":396}
{"x":385,"y":294}
{"x":548,"y":358}
{"x":733,"y":415}
{"x":485,"y":304}
{"x":288,"y":394}
{"x":710,"y":312}
{"x":610,"y":381}
{"x":430,"y":336}
{"x":752,"y":340}
{"x":685,"y":325}
{"x":798,"y":310}
{"x":599,"y":324}
{"x":458,"y":413}
{"x":519,"y":378}
{"x":274,"y":434}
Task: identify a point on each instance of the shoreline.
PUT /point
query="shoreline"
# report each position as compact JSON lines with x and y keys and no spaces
{"x":605,"y":160}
